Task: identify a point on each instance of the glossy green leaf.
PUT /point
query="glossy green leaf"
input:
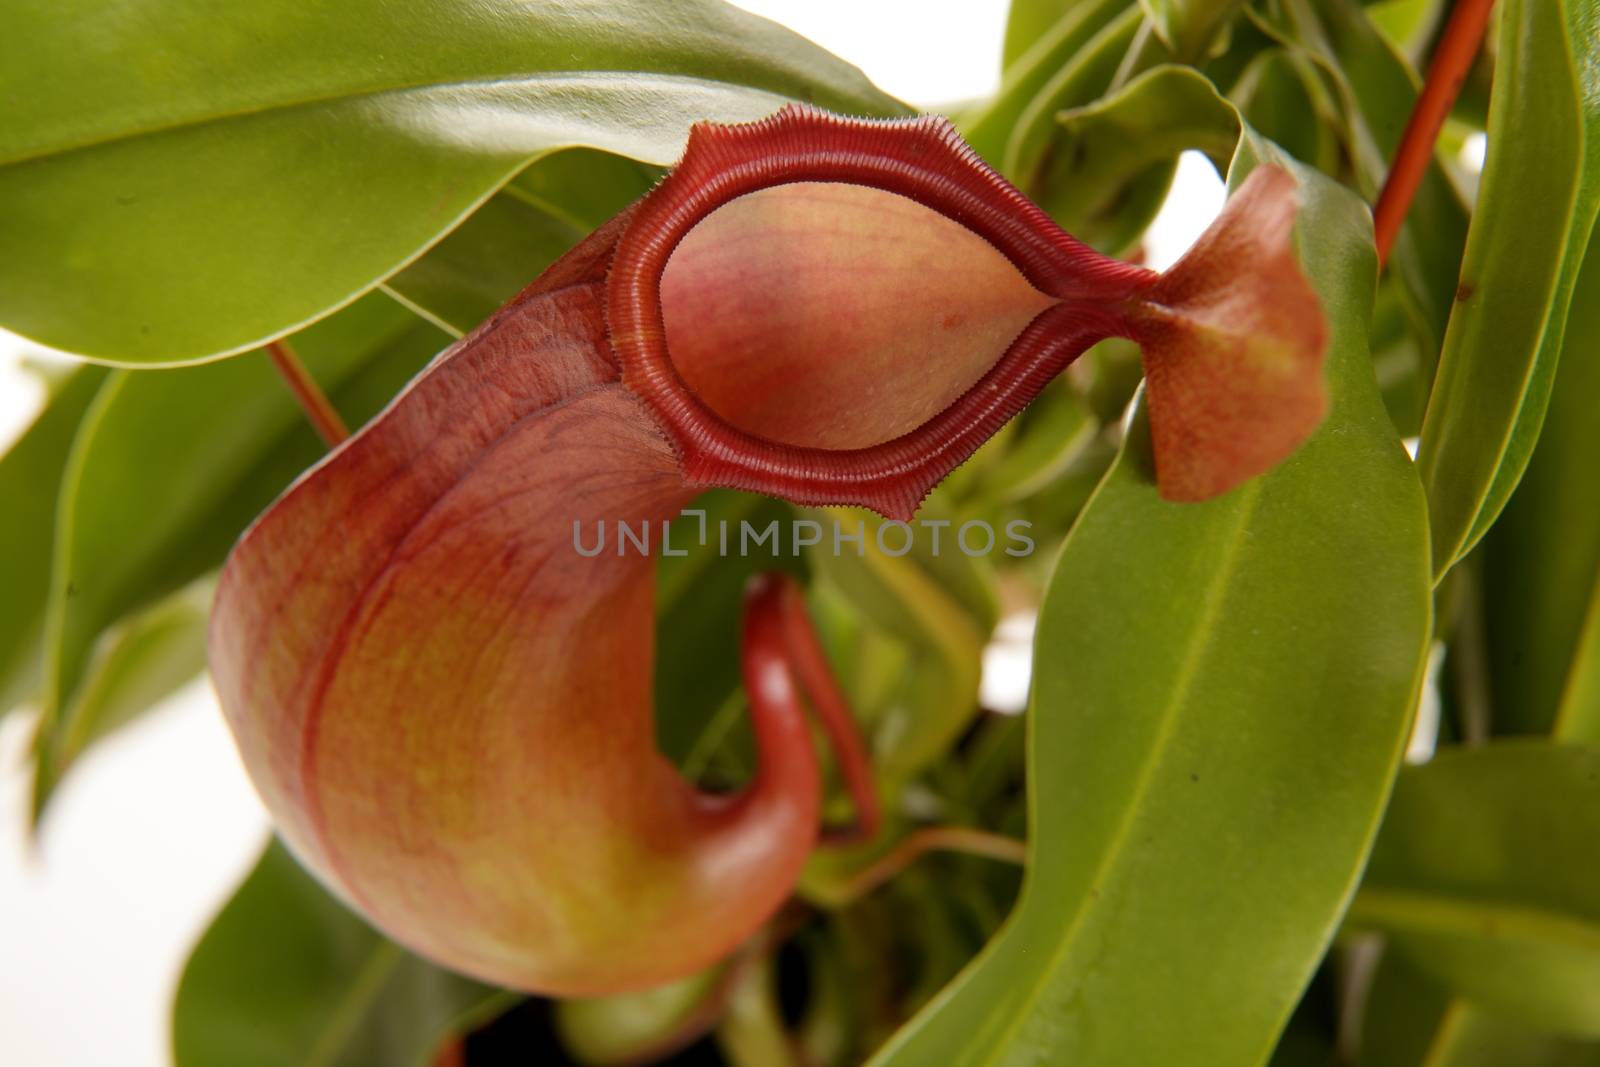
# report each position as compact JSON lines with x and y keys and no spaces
{"x":169,"y":467}
{"x":1189,"y":26}
{"x":1033,"y":70}
{"x":516,"y":234}
{"x":1536,"y":207}
{"x":30,"y":472}
{"x":195,"y":181}
{"x":142,"y":659}
{"x":1221,"y":695}
{"x":1486,"y":876}
{"x":1111,"y":165}
{"x":1541,"y":560}
{"x":287,"y":975}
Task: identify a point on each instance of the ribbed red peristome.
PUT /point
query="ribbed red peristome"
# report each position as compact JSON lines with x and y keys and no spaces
{"x":923,"y":159}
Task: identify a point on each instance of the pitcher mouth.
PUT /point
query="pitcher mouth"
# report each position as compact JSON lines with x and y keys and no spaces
{"x":924,"y":160}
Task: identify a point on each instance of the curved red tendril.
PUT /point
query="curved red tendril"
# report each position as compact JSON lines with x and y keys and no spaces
{"x":779,"y":648}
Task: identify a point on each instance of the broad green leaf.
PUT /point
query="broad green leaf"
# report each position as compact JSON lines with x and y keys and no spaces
{"x":1189,"y":26}
{"x":30,"y":472}
{"x":1221,"y":695}
{"x":287,"y":975}
{"x":169,"y":467}
{"x":1541,"y":560}
{"x":1113,"y":159}
{"x":1486,"y":877}
{"x":516,"y":234}
{"x":1536,"y":206}
{"x":181,"y":181}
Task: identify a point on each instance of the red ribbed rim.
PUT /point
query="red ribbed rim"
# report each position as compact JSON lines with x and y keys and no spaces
{"x":923,"y":159}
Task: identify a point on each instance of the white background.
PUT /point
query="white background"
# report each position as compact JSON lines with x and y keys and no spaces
{"x":151,"y":831}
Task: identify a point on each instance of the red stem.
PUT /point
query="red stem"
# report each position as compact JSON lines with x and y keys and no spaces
{"x":777,"y":597}
{"x":1446,"y":73}
{"x":308,"y":394}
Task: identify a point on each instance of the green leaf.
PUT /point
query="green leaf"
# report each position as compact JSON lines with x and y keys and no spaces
{"x":1189,"y":26}
{"x":1113,"y":160}
{"x":1281,"y":100}
{"x":1536,"y":206}
{"x":1541,"y":570}
{"x":1087,"y":75}
{"x":138,"y":662}
{"x":198,"y":180}
{"x":169,"y":467}
{"x":1221,"y":695}
{"x":1485,"y":876}
{"x":1030,"y":21}
{"x":911,"y":597}
{"x":1408,"y":24}
{"x":30,"y":473}
{"x":1069,"y":66}
{"x":516,"y":234}
{"x":1411,"y":1021}
{"x":287,"y":975}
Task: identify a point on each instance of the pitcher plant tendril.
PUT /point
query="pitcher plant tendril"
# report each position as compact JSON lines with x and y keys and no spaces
{"x":1458,"y":47}
{"x":449,"y":713}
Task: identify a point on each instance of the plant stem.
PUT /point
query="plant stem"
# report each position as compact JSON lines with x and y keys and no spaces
{"x":1458,"y":47}
{"x":308,"y":394}
{"x":915,"y":845}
